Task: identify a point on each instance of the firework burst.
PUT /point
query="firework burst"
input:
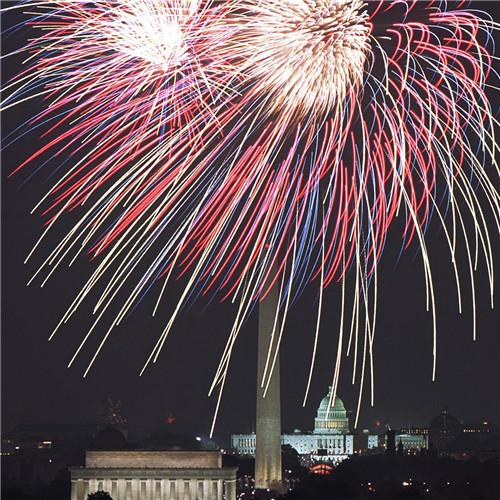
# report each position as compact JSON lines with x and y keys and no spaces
{"x":311,"y":55}
{"x":252,"y":144}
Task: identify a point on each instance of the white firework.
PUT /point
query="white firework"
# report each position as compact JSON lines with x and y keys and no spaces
{"x":304,"y":54}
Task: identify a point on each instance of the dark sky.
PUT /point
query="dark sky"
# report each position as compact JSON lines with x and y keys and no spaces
{"x":37,"y":386}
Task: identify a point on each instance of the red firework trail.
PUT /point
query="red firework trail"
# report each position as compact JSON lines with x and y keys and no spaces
{"x":250,"y":144}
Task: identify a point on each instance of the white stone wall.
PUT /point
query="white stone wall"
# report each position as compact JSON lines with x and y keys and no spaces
{"x":372,"y":442}
{"x":411,"y":441}
{"x":244,"y":444}
{"x":302,"y":443}
{"x":349,"y":444}
{"x":338,"y":446}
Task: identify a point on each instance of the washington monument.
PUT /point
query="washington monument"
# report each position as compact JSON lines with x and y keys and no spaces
{"x":268,"y":418}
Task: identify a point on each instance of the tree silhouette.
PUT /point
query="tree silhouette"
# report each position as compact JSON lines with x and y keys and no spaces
{"x":99,"y":495}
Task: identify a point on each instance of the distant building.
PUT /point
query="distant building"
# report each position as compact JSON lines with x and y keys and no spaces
{"x":482,"y":431}
{"x":330,"y":441}
{"x":443,"y":430}
{"x":141,"y":474}
{"x":34,"y":454}
{"x":37,"y":435}
{"x":411,"y":442}
{"x":414,"y":431}
{"x":374,"y":441}
{"x":364,"y":442}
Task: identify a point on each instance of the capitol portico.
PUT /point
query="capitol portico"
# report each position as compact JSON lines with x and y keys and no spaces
{"x":330,"y":441}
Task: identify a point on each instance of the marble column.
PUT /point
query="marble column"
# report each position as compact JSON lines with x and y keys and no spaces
{"x":120,"y":489}
{"x":206,"y":489}
{"x":179,"y":489}
{"x":106,"y":486}
{"x":135,"y":490}
{"x":86,"y":487}
{"x":80,"y":489}
{"x":74,"y":493}
{"x":114,"y":489}
{"x":93,"y":486}
{"x":149,"y":489}
{"x":230,"y":489}
{"x":193,"y":489}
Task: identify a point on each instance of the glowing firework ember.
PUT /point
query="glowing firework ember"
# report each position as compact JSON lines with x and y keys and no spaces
{"x":251,"y":144}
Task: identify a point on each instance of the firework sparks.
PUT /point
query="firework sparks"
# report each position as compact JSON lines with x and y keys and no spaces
{"x":312,"y":53}
{"x":252,"y":144}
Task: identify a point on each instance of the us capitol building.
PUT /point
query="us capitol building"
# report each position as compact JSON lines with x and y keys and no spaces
{"x":330,"y":441}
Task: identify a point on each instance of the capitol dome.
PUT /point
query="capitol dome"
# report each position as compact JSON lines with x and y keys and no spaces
{"x":334,"y":421}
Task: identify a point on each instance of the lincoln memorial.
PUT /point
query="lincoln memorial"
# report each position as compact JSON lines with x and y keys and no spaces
{"x":154,"y":475}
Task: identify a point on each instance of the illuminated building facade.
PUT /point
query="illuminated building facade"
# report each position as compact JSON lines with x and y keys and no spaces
{"x":330,"y":441}
{"x":373,"y":441}
{"x":416,"y":431}
{"x":482,"y":430}
{"x":154,"y":475}
{"x":411,"y":442}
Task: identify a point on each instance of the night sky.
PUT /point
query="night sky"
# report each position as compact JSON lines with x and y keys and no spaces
{"x":38,"y":388}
